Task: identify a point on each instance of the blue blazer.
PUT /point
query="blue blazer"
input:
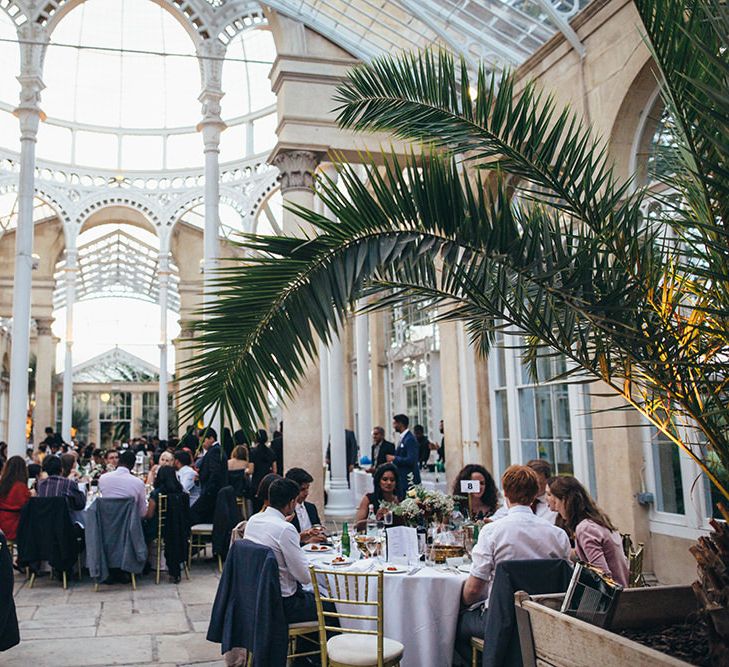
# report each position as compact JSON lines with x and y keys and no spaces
{"x":407,"y":458}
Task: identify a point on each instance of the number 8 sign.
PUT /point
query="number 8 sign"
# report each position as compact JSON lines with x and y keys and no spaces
{"x":470,"y":486}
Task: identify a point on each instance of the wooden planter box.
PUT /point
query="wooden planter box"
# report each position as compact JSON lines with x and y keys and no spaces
{"x":558,"y":640}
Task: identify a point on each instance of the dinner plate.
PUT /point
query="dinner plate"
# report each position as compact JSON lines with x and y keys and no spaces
{"x":318,"y":548}
{"x":465,"y":567}
{"x":330,"y":562}
{"x":394,"y":569}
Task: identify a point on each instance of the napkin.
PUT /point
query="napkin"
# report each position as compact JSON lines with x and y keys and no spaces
{"x":402,"y":544}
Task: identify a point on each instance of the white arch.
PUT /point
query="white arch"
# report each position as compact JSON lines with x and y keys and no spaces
{"x":100,"y":201}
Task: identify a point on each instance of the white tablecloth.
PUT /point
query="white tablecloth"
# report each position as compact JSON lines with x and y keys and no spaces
{"x":361,"y":483}
{"x":421,"y":612}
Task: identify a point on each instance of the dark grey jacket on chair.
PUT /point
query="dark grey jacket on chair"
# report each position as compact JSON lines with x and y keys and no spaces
{"x":114,"y":537}
{"x":536,"y":577}
{"x":9,"y":634}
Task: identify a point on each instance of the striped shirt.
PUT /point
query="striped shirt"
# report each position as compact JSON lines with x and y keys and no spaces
{"x":55,"y":485}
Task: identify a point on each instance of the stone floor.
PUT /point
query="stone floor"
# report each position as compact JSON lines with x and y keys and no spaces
{"x":159,"y":625}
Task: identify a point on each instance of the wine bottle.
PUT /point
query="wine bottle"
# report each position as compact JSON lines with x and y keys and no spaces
{"x":346,"y":547}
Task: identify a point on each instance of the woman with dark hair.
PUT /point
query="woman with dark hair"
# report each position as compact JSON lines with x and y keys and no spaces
{"x":596,"y":539}
{"x":261,"y":498}
{"x":484,"y":503}
{"x":385,"y":480}
{"x":14,"y":494}
{"x":262,"y":462}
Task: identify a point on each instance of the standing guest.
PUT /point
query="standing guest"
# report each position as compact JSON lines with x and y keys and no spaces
{"x":351,"y":449}
{"x":385,"y":482}
{"x":120,"y":483}
{"x":380,"y":449}
{"x":441,"y":449}
{"x":423,"y":445}
{"x":212,"y":474}
{"x":540,"y":507}
{"x":111,"y":460}
{"x":14,"y":494}
{"x":263,"y":462}
{"x":597,"y":541}
{"x":238,"y":471}
{"x":520,"y":535}
{"x":165,"y":459}
{"x":228,"y":442}
{"x":270,"y":529}
{"x":185,"y":473}
{"x":305,"y":517}
{"x":406,"y":455}
{"x":482,"y":504}
{"x":277,"y":447}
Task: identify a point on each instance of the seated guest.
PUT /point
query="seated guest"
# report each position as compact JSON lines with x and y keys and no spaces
{"x":238,"y":476}
{"x":111,"y":460}
{"x":122,"y":484}
{"x":212,"y":472}
{"x":520,"y":535}
{"x":263,"y":487}
{"x":164,"y":459}
{"x":540,"y":507}
{"x":305,"y":516}
{"x":185,"y":473}
{"x":14,"y":494}
{"x":385,"y":482}
{"x":596,"y":539}
{"x":270,"y":528}
{"x":479,"y":505}
{"x":238,"y":458}
{"x":56,"y":484}
{"x":68,"y":465}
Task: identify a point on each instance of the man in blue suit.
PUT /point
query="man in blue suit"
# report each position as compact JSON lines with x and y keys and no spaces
{"x":406,"y":455}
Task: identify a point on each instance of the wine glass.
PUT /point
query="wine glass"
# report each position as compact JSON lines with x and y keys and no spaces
{"x":371,"y":545}
{"x":336,"y":540}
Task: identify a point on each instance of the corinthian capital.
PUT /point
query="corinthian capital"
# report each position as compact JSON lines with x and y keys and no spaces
{"x":297,"y":169}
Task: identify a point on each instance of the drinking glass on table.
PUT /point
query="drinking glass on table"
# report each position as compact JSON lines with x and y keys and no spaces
{"x":371,"y":545}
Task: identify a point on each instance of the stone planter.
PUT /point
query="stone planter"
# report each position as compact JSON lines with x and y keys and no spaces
{"x":558,"y":640}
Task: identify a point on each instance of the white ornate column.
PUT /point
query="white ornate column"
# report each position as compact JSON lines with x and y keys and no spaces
{"x":340,"y":497}
{"x":324,"y":394}
{"x":211,"y":126}
{"x":29,"y":114}
{"x":362,"y":349}
{"x":43,"y":413}
{"x":164,"y":280}
{"x":70,"y":271}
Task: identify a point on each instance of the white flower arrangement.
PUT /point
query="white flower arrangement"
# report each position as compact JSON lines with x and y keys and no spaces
{"x":422,"y":503}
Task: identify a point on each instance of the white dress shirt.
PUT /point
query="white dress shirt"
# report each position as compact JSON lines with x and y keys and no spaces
{"x":271,"y":529}
{"x":303,"y":516}
{"x":122,"y":484}
{"x":520,"y":535}
{"x":186,"y":475}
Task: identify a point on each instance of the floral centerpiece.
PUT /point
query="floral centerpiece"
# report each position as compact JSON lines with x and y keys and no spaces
{"x":421,"y":503}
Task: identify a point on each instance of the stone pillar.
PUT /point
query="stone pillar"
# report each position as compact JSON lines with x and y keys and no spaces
{"x":324,"y":393}
{"x":29,"y":114}
{"x":70,"y":272}
{"x":211,"y":127}
{"x":340,"y":498}
{"x":164,"y":276}
{"x":379,"y":342}
{"x":134,"y":428}
{"x":45,"y":367}
{"x":364,"y":411}
{"x":302,"y":415}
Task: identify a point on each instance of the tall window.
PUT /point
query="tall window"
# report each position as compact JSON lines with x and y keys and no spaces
{"x":118,"y":407}
{"x":544,"y":417}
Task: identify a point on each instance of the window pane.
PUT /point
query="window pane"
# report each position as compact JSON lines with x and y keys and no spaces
{"x":95,"y":149}
{"x":184,"y":151}
{"x":502,"y":430}
{"x":669,"y":485}
{"x":54,"y":143}
{"x":141,"y":152}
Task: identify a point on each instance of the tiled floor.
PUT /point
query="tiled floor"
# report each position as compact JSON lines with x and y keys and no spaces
{"x":154,"y":625}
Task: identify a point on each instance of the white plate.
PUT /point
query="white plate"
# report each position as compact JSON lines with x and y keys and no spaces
{"x":340,"y":563}
{"x":318,"y":548}
{"x":394,"y":569}
{"x":465,"y":567}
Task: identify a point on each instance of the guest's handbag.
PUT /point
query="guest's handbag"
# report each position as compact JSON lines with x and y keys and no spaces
{"x":592,"y":595}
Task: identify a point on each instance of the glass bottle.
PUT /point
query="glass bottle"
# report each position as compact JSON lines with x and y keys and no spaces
{"x":346,"y":548}
{"x":371,"y":522}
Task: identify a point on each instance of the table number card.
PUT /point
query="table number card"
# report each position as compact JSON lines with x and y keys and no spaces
{"x":470,"y":486}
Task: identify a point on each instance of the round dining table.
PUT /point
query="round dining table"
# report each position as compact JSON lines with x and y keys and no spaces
{"x":421,"y":607}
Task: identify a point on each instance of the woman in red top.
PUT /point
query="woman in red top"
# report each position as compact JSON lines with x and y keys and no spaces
{"x":13,"y":495}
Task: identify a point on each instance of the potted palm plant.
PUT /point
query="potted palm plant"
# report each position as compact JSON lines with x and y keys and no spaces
{"x":638,"y":302}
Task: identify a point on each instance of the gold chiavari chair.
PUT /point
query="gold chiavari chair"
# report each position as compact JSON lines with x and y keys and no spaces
{"x":635,"y":561}
{"x":161,"y":518}
{"x":353,"y":646}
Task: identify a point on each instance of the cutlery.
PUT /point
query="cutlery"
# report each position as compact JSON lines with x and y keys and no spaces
{"x":415,"y":570}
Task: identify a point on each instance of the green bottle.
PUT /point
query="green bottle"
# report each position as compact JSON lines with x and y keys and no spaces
{"x":475,"y":534}
{"x":346,"y":547}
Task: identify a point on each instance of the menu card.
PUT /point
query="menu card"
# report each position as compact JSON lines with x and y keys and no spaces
{"x":402,"y":544}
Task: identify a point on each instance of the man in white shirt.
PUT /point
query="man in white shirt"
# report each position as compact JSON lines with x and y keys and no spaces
{"x":270,"y":528}
{"x":185,"y":473}
{"x":519,"y":535}
{"x":305,"y":517}
{"x":122,"y":484}
{"x":539,"y":505}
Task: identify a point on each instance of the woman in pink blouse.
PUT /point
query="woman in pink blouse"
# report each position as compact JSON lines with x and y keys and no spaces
{"x":596,"y":540}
